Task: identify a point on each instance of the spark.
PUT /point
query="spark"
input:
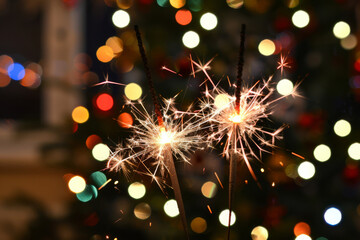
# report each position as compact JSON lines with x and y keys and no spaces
{"x":109,"y":180}
{"x":169,"y":70}
{"x":297,"y":155}
{"x":283,"y":63}
{"x":200,"y":67}
{"x":209,"y":209}
{"x":107,"y":82}
{"x":217,"y":177}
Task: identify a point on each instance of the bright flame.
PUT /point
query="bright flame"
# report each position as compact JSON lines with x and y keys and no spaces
{"x":236,"y":118}
{"x":165,"y":136}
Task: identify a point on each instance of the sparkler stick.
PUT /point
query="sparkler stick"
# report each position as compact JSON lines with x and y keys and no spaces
{"x":234,"y":156}
{"x":167,"y":153}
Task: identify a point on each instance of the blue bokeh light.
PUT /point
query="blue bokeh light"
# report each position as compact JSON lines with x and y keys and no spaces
{"x":16,"y":71}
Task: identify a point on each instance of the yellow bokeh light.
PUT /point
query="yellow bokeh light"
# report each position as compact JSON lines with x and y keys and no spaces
{"x":80,"y":114}
{"x":209,"y":189}
{"x":104,"y":54}
{"x":100,"y":152}
{"x":133,"y":91}
{"x":354,"y":151}
{"x":208,"y":21}
{"x":115,"y":43}
{"x":322,"y":153}
{"x":142,"y":211}
{"x":266,"y":47}
{"x":198,"y":225}
{"x":191,"y":39}
{"x":300,"y":19}
{"x":306,"y":170}
{"x":342,"y":128}
{"x":303,"y":237}
{"x":235,"y":3}
{"x":292,"y":3}
{"x":121,"y":18}
{"x":285,"y":87}
{"x":171,"y":208}
{"x":77,"y":184}
{"x":137,"y":190}
{"x":224,"y":218}
{"x":259,"y":233}
{"x":349,"y":42}
{"x":221,"y":101}
{"x":124,"y":4}
{"x":341,"y":30}
{"x":177,"y":3}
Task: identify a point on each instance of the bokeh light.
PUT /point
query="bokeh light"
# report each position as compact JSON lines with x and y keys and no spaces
{"x":171,"y":208}
{"x":92,"y":140}
{"x":302,"y":228}
{"x":177,"y":3}
{"x":306,"y":170}
{"x":191,"y":39}
{"x":16,"y":71}
{"x":224,"y":218}
{"x":104,"y":102}
{"x":342,"y":128}
{"x":198,"y":225}
{"x":332,"y":216}
{"x":163,"y":3}
{"x":303,"y":237}
{"x":133,"y":91}
{"x":116,"y":44}
{"x":137,"y":190}
{"x":221,"y":101}
{"x":183,"y":17}
{"x":125,"y":120}
{"x":121,"y":18}
{"x":235,"y":3}
{"x":354,"y":151}
{"x":208,"y":21}
{"x":80,"y":114}
{"x":124,"y":4}
{"x":142,"y":211}
{"x":104,"y":54}
{"x":89,"y":193}
{"x":341,"y":30}
{"x":31,"y":79}
{"x":98,"y":178}
{"x":100,"y":152}
{"x":266,"y":47}
{"x":322,"y":153}
{"x":292,"y":3}
{"x":259,"y":233}
{"x":209,"y":189}
{"x":4,"y":79}
{"x":285,"y":87}
{"x":77,"y":184}
{"x":300,"y":19}
{"x":349,"y":42}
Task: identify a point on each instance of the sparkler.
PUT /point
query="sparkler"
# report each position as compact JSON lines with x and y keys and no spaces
{"x":237,"y":118}
{"x":158,"y":137}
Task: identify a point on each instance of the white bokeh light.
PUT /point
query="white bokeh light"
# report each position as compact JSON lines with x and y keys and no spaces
{"x":208,"y":21}
{"x":285,"y":87}
{"x":136,"y":190}
{"x":300,"y":19}
{"x":342,"y":128}
{"x":341,"y":30}
{"x":101,"y":152}
{"x":332,"y":216}
{"x":191,"y":39}
{"x":121,"y":18}
{"x":266,"y":47}
{"x":306,"y":170}
{"x":322,"y":153}
{"x":224,"y":218}
{"x":354,"y":151}
{"x":171,"y":208}
{"x":303,"y":237}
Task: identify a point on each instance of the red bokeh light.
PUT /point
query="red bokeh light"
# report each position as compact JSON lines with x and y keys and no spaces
{"x":302,"y":228}
{"x":125,"y":120}
{"x":183,"y":17}
{"x":92,"y":140}
{"x":104,"y":102}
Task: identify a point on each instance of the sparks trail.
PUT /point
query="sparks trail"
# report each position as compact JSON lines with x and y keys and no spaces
{"x":107,"y":82}
{"x":148,"y":76}
{"x":217,"y":177}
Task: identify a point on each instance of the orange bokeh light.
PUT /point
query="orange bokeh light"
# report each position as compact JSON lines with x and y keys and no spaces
{"x":183,"y":17}
{"x":31,"y":79}
{"x":92,"y":140}
{"x":4,"y":79}
{"x":302,"y":228}
{"x":125,"y":120}
{"x":104,"y":102}
{"x":105,"y":54}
